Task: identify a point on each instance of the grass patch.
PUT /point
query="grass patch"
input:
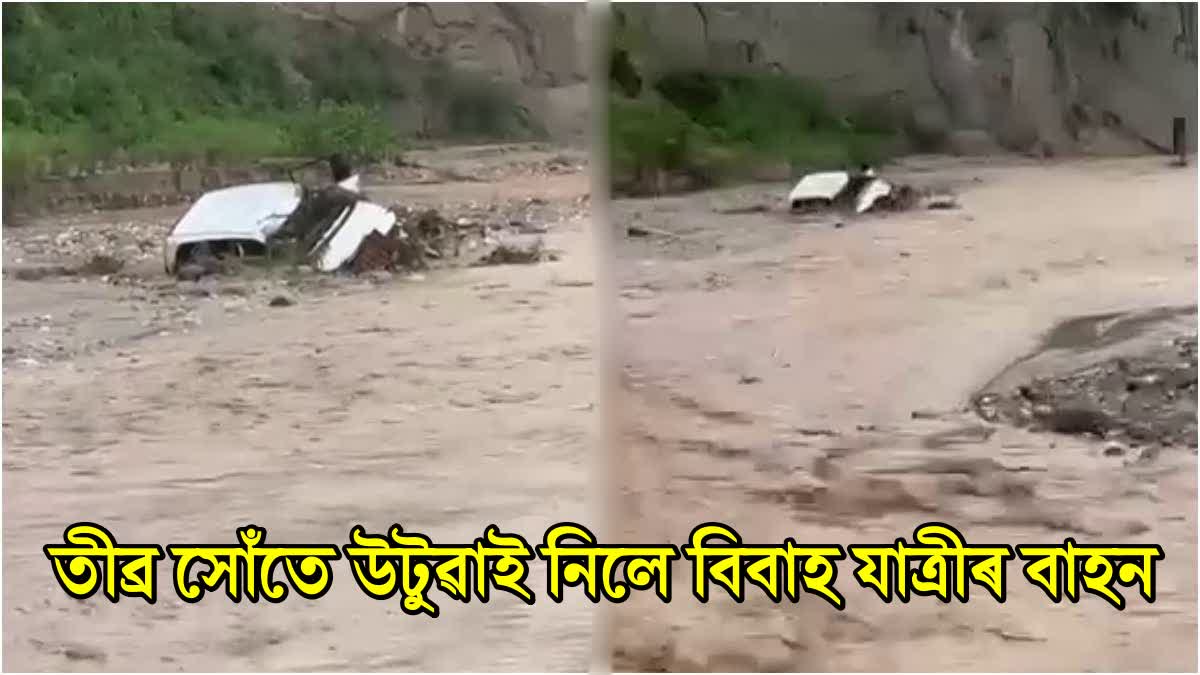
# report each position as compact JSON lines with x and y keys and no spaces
{"x":720,"y":126}
{"x":90,"y":86}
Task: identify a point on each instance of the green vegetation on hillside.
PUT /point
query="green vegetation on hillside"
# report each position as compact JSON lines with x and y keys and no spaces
{"x":718,"y":126}
{"x":89,"y":84}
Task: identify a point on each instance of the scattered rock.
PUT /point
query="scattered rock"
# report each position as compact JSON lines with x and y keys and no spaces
{"x":101,"y":264}
{"x":749,"y":379}
{"x":82,"y":652}
{"x":516,"y":250}
{"x":1114,"y":449}
{"x":637,"y":231}
{"x":996,"y":282}
{"x":941,"y":202}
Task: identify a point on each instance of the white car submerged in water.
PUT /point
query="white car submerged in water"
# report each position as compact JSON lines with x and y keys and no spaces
{"x":825,"y":189}
{"x":241,"y":220}
{"x":236,"y":219}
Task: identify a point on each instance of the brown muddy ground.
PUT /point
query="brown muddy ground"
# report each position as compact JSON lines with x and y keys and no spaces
{"x":805,"y":378}
{"x":173,"y":413}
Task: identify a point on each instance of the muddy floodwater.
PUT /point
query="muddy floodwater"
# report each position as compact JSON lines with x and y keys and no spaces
{"x":806,"y":378}
{"x":814,"y":378}
{"x":175,"y":412}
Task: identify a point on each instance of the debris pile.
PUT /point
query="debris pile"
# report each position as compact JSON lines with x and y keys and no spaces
{"x":82,"y":249}
{"x":413,"y":239}
{"x":472,"y":240}
{"x":378,"y":253}
{"x":432,"y":235}
{"x":1150,"y":399}
{"x":558,"y":165}
{"x":336,"y":228}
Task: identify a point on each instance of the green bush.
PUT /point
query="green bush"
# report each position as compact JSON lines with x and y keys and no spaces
{"x":28,"y":154}
{"x":356,"y":130}
{"x":647,"y":136}
{"x":213,"y":140}
{"x":747,"y":107}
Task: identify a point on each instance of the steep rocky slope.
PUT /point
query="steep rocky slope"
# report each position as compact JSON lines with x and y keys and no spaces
{"x":1048,"y":78}
{"x":538,"y":49}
